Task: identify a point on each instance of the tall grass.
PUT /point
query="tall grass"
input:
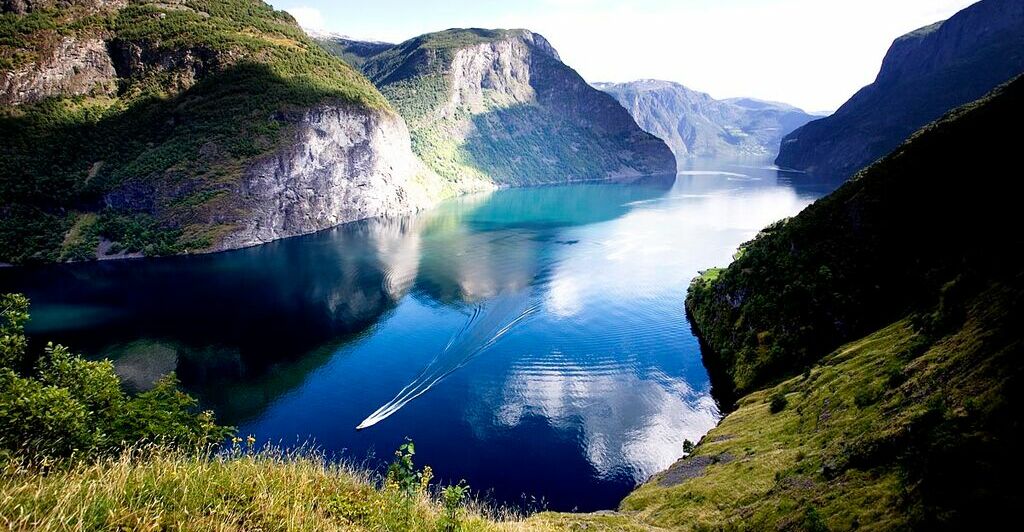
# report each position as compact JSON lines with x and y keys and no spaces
{"x":243,"y":488}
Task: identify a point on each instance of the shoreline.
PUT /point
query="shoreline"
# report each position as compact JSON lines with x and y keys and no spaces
{"x":622,"y":180}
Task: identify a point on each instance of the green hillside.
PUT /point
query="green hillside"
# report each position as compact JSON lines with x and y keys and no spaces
{"x":151,"y":158}
{"x":906,"y":234}
{"x":915,"y":422}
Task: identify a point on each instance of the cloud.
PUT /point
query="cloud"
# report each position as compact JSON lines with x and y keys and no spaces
{"x":309,"y":18}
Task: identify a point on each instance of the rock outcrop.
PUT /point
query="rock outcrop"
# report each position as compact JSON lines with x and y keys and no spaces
{"x":925,"y":73}
{"x":343,"y":164}
{"x":695,"y":125}
{"x":72,"y":67}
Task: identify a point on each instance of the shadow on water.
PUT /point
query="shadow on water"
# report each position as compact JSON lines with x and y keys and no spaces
{"x":530,"y":340}
{"x":242,"y":327}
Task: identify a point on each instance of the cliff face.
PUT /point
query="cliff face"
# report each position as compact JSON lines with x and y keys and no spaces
{"x":924,"y":74}
{"x":156,"y":128}
{"x":498,"y":107}
{"x":694,"y":124}
{"x":344,"y":164}
{"x":72,"y":67}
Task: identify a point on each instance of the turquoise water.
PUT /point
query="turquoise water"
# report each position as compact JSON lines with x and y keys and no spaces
{"x":531,"y":341}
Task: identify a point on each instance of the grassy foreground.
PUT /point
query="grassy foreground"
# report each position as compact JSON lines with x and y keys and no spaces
{"x":161,"y":489}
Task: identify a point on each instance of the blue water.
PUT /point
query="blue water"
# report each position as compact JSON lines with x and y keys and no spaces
{"x":531,"y":341}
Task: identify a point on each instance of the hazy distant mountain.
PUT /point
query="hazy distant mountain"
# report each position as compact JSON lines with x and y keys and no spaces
{"x":354,"y":51}
{"x":924,"y":74}
{"x":696,"y":125}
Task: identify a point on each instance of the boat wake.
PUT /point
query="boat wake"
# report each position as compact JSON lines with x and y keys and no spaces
{"x":488,"y":323}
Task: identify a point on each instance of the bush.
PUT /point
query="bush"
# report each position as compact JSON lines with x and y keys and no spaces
{"x":453,"y":497}
{"x":777,"y":403}
{"x":60,"y":405}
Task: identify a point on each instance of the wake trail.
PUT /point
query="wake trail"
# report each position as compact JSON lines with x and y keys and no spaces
{"x":487,"y":324}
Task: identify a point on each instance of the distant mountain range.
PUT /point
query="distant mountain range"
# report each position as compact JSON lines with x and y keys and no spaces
{"x":695,"y":125}
{"x":488,"y":107}
{"x":924,"y":74}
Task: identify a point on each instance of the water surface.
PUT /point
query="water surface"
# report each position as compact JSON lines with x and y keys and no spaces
{"x":531,"y":341}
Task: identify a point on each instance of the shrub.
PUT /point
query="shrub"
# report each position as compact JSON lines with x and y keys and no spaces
{"x":777,"y":403}
{"x":453,"y":497}
{"x":60,"y":405}
{"x":402,"y":473}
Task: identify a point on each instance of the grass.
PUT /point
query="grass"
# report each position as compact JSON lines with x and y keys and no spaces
{"x":241,"y":489}
{"x":244,"y":488}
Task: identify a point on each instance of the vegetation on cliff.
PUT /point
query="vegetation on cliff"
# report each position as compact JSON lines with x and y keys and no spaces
{"x":510,"y":114}
{"x":151,"y":160}
{"x":903,"y":236}
{"x":913,"y":423}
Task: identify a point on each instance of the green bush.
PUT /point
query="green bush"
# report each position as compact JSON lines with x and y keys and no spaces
{"x":453,"y":498}
{"x":58,"y":404}
{"x":777,"y":403}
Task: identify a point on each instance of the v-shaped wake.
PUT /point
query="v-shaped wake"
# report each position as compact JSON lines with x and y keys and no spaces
{"x":486,"y":325}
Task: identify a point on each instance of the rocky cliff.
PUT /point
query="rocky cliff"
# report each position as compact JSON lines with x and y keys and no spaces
{"x":183,"y":126}
{"x":925,"y":73}
{"x":695,"y":125}
{"x":498,"y":107}
{"x":344,"y":163}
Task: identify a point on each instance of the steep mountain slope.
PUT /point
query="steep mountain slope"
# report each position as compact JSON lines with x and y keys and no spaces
{"x":499,"y":107}
{"x":188,"y":125}
{"x":885,"y":244}
{"x":694,"y":124}
{"x":922,"y":416}
{"x":924,"y":74}
{"x":914,"y":423}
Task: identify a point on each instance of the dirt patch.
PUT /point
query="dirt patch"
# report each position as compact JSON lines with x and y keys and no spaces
{"x":691,"y":467}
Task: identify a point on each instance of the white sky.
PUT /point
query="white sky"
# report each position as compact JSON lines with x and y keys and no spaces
{"x":811,"y":53}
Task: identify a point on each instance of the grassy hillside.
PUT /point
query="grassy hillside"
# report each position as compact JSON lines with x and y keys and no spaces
{"x":152,"y":162}
{"x":891,"y":431}
{"x":928,"y":225}
{"x":240,"y":490}
{"x":913,"y":424}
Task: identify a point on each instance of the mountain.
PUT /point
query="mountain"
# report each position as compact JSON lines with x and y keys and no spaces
{"x":924,"y":74}
{"x":498,"y":107}
{"x":140,"y":127}
{"x":354,"y":51}
{"x":874,"y":340}
{"x":694,"y":124}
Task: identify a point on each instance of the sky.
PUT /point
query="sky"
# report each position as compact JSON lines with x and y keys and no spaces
{"x":810,"y":53}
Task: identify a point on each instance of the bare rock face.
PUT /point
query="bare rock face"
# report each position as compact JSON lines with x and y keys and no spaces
{"x":74,"y":67}
{"x":345,"y":163}
{"x":502,"y":68}
{"x":183,"y":66}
